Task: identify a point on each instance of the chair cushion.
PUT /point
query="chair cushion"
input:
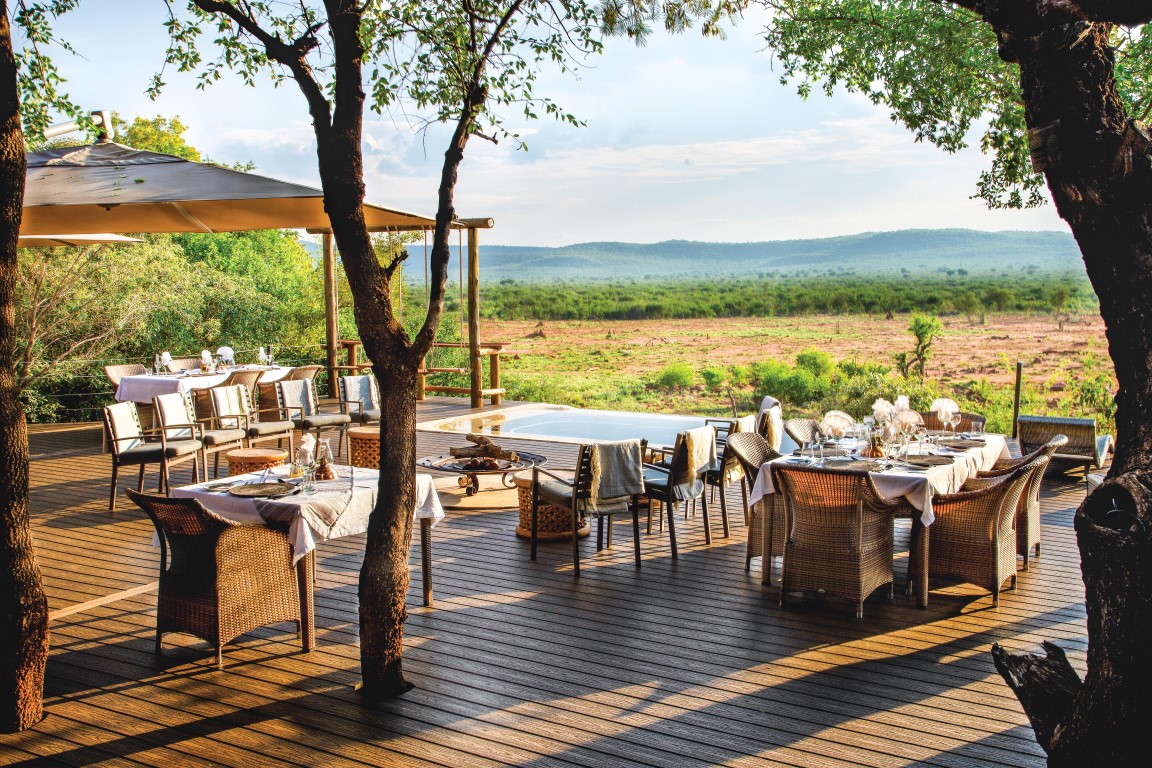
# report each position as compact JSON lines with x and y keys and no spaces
{"x":557,"y":493}
{"x":372,"y":414}
{"x":214,"y":437}
{"x":261,"y":428}
{"x":151,"y":452}
{"x":325,"y":420}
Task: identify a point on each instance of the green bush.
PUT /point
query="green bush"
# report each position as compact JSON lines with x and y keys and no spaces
{"x":714,"y":376}
{"x":676,"y":376}
{"x":816,"y":362}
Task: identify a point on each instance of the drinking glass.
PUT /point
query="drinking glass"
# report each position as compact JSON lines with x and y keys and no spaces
{"x":952,"y":420}
{"x":814,"y":451}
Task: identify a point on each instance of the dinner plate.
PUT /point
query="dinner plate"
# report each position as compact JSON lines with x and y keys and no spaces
{"x":263,"y":490}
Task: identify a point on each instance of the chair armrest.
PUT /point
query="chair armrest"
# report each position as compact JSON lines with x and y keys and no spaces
{"x":537,"y":471}
{"x":665,"y":470}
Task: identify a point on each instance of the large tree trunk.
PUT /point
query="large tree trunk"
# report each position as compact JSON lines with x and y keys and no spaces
{"x":23,"y":607}
{"x":1096,"y":162}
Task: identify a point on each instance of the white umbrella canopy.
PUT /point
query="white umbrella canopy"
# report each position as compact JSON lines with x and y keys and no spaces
{"x":108,"y":187}
{"x":57,"y":241}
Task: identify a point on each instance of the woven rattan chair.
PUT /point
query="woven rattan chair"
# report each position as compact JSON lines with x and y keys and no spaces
{"x":117,"y":372}
{"x":577,"y":494}
{"x":232,"y":407}
{"x":974,"y":535}
{"x":299,"y":404}
{"x":304,"y":373}
{"x":203,"y":397}
{"x":132,"y":445}
{"x":839,"y":533}
{"x":1084,"y":446}
{"x":1028,"y":509}
{"x":672,"y":483}
{"x":969,"y":422}
{"x":767,"y":518}
{"x":360,"y":398}
{"x":802,"y":431}
{"x":184,"y":364}
{"x":218,"y":579}
{"x":176,"y":416}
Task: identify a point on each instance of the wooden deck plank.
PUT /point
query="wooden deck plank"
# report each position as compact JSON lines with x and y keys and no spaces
{"x":681,"y":663}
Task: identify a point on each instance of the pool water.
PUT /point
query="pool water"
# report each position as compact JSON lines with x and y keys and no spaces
{"x":558,"y":422}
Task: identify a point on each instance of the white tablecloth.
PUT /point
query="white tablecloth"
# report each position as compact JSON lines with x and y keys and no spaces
{"x":142,"y":388}
{"x":917,"y":486}
{"x":347,"y":511}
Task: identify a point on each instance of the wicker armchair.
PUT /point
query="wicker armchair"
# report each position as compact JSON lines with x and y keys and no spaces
{"x":117,"y":372}
{"x":132,"y":445}
{"x":753,"y":451}
{"x":802,"y":431}
{"x":218,"y":579}
{"x":974,"y":536}
{"x":299,"y":404}
{"x":176,"y":417}
{"x":1084,"y":446}
{"x":839,"y":533}
{"x":672,"y":483}
{"x":304,"y":373}
{"x":969,"y":422}
{"x":184,"y":364}
{"x":1028,"y":510}
{"x":232,"y":407}
{"x":578,"y":494}
{"x":360,"y":398}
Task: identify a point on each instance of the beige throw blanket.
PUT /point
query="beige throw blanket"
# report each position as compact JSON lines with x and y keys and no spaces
{"x":701,"y":448}
{"x":617,"y":471}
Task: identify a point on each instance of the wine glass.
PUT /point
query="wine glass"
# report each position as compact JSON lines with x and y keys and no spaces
{"x":951,"y":420}
{"x":307,"y":464}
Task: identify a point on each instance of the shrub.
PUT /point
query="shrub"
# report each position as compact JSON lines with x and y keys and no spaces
{"x":714,"y":376}
{"x":816,"y":362}
{"x":676,"y":376}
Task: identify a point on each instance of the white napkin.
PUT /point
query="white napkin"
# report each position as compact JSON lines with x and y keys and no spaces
{"x":226,"y":354}
{"x":206,"y":357}
{"x":262,"y":356}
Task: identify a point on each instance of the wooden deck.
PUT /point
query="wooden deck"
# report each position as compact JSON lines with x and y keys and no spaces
{"x":690,"y":663}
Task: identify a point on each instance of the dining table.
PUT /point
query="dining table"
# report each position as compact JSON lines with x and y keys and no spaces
{"x":901,"y":480}
{"x":141,"y":388}
{"x":334,"y":509}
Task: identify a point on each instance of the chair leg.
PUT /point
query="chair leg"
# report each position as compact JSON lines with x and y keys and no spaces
{"x":609,"y":532}
{"x":724,"y":511}
{"x":636,"y":530}
{"x":215,"y":466}
{"x":535,"y":508}
{"x":575,"y":541}
{"x":744,"y":496}
{"x":164,"y":484}
{"x":859,"y":609}
{"x":671,"y":507}
{"x":219,"y":657}
{"x":707,"y":527}
{"x":140,"y":481}
{"x":599,"y":533}
{"x":112,"y":495}
{"x":159,"y":634}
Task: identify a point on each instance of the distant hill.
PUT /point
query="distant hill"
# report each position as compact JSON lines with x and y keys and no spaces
{"x":917,"y":251}
{"x":914,"y":250}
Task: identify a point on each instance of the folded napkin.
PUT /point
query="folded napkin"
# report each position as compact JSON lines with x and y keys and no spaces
{"x":617,"y":470}
{"x":701,"y":449}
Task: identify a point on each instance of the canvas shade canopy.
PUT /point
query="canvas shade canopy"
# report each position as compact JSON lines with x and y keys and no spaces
{"x":108,"y":187}
{"x":59,"y":241}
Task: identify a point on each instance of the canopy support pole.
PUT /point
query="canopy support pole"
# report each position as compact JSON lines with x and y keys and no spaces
{"x":474,"y":317}
{"x":331,"y":321}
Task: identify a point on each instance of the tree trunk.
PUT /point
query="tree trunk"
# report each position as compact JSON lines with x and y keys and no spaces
{"x":1096,"y":163}
{"x":384,"y":574}
{"x":23,"y":607}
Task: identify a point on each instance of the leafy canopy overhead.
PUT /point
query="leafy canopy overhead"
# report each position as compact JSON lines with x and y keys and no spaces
{"x":933,"y":64}
{"x":419,"y":54}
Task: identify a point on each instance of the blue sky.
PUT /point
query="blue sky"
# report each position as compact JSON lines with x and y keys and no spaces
{"x":686,"y":138}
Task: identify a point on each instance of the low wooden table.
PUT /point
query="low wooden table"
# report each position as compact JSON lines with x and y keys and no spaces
{"x":244,"y":460}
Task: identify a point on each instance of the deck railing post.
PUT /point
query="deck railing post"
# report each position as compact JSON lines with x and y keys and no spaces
{"x":1016,"y":399}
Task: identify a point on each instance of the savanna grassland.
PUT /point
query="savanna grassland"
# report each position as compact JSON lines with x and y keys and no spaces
{"x":690,"y":365}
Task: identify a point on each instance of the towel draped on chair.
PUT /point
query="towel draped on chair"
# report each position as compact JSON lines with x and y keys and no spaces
{"x":617,"y":471}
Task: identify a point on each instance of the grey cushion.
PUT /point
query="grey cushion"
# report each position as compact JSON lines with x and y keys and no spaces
{"x":151,"y":452}
{"x":557,"y":493}
{"x":214,"y":437}
{"x":324,"y":420}
{"x":656,"y":484}
{"x":372,"y":414}
{"x":261,"y":428}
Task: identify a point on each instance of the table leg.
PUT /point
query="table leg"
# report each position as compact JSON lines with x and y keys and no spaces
{"x":426,"y":559}
{"x":918,"y":561}
{"x":305,"y":575}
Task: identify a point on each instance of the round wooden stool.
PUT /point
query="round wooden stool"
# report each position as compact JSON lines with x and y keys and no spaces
{"x":364,"y":447}
{"x":553,"y":523}
{"x":244,"y":460}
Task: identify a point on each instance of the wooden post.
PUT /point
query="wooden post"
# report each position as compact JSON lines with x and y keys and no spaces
{"x":494,"y":376}
{"x":474,"y":318}
{"x":331,"y":321}
{"x":1016,"y":400}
